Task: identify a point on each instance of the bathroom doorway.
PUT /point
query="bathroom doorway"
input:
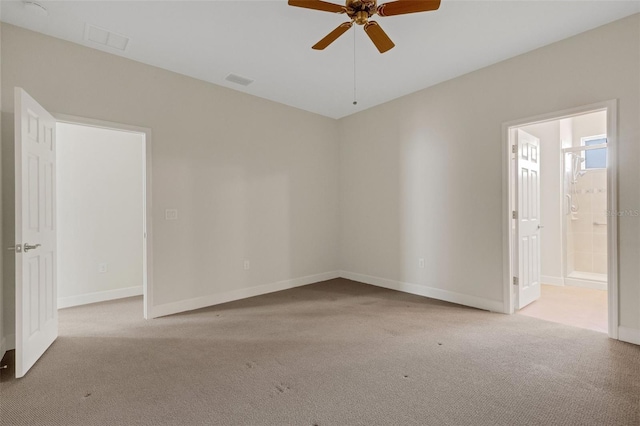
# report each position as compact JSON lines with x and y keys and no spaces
{"x":562,"y":250}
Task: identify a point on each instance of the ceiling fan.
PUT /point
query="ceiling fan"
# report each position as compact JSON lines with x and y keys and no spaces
{"x":360,"y":11}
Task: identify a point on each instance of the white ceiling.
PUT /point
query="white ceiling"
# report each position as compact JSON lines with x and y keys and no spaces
{"x":270,"y":42}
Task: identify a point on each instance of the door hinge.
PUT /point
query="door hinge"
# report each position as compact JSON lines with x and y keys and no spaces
{"x":514,"y":214}
{"x":515,"y":280}
{"x":514,"y":149}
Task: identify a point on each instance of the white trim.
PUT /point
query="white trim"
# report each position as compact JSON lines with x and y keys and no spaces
{"x":507,"y":215}
{"x":612,"y":220}
{"x":431,"y":292}
{"x":557,"y":281}
{"x":585,"y":139}
{"x":577,"y":282}
{"x":99,"y":296}
{"x":629,"y":335}
{"x":612,"y":203}
{"x":9,"y":342}
{"x":147,"y":267}
{"x":585,"y":148}
{"x":233,"y":295}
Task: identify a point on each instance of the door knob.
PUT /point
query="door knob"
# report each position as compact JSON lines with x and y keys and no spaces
{"x":28,"y":247}
{"x":540,"y":226}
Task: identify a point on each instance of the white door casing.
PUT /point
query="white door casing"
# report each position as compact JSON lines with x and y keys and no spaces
{"x":509,"y":187}
{"x":527,"y":221}
{"x":36,"y":289}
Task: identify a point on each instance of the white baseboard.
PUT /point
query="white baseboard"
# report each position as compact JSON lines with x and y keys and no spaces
{"x":546,"y":279}
{"x":576,"y":282}
{"x":629,"y":335}
{"x":100,"y":296}
{"x":230,"y":296}
{"x":421,"y":290}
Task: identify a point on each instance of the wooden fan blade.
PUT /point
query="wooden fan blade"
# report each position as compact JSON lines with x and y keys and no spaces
{"x":332,"y":36}
{"x":402,"y":7}
{"x":378,"y":36}
{"x":318,"y":5}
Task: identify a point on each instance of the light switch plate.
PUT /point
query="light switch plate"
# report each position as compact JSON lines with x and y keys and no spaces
{"x":171,"y":214}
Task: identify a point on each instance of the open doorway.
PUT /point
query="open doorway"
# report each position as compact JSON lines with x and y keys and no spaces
{"x":37,"y":221}
{"x":562,"y":241}
{"x":101,"y":193}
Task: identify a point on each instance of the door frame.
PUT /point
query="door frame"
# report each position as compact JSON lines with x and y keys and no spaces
{"x":610,"y":107}
{"x":147,"y":250}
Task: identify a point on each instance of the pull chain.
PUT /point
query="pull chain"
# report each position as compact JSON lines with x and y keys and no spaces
{"x":355,"y":97}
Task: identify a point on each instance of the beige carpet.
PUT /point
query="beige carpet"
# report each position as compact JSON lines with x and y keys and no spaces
{"x":332,"y":353}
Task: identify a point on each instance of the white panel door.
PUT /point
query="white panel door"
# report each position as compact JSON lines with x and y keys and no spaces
{"x":528,"y":218}
{"x":36,"y":295}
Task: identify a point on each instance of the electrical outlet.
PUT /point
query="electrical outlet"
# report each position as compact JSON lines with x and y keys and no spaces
{"x":171,"y":214}
{"x":421,"y":262}
{"x":247,"y":265}
{"x":103,"y":267}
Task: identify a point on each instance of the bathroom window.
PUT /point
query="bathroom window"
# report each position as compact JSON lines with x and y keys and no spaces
{"x":595,"y":158}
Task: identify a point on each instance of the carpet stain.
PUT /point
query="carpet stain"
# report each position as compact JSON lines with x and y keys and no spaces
{"x":251,"y":364}
{"x":282,"y":388}
{"x":405,"y":376}
{"x":595,"y":378}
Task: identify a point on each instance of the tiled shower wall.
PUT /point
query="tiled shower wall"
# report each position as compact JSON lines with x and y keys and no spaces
{"x":587,"y":230}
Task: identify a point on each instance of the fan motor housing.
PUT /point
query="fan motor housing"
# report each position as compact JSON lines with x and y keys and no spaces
{"x":361,"y":10}
{"x":361,"y":17}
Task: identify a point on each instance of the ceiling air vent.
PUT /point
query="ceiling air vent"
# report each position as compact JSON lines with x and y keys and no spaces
{"x":238,"y":79}
{"x":105,"y":37}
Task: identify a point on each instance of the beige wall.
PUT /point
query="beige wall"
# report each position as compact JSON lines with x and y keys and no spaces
{"x":421,"y":176}
{"x":251,"y":179}
{"x":100,"y":213}
{"x":588,"y":125}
